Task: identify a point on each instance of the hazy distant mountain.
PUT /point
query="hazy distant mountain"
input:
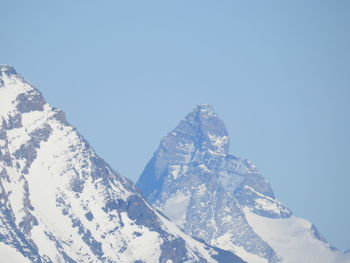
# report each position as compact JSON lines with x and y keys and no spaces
{"x":224,"y":200}
{"x":60,"y":202}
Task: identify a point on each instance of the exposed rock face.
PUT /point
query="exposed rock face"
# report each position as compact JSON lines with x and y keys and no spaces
{"x":60,"y":202}
{"x":214,"y":196}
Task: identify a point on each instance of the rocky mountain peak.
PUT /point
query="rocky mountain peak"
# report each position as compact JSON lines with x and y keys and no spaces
{"x":201,"y":131}
{"x":17,"y":97}
{"x":206,"y":121}
{"x":8,"y":70}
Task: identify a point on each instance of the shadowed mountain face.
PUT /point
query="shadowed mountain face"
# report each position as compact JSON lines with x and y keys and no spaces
{"x":223,"y":199}
{"x":60,"y":202}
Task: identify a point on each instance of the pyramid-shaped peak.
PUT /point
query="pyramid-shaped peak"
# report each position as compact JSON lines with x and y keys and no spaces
{"x":205,"y":118}
{"x":203,"y":128}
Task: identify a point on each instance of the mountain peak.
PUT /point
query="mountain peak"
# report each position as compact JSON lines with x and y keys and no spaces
{"x":202,"y":131}
{"x":205,"y":110}
{"x":207,"y":131}
{"x":16,"y":95}
{"x":8,"y":70}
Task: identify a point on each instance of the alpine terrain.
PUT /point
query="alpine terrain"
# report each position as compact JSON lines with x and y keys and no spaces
{"x":60,"y":202}
{"x":224,"y":200}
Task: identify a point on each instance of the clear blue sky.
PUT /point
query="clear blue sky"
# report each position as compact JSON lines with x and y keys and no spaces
{"x":277,"y":72}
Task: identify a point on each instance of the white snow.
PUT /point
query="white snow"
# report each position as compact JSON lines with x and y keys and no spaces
{"x":175,"y":170}
{"x":175,"y":208}
{"x":15,"y":187}
{"x":292,"y":239}
{"x":187,"y":148}
{"x":268,"y":205}
{"x":16,"y":137}
{"x":201,"y":190}
{"x":144,"y":247}
{"x":218,"y":141}
{"x":225,"y":242}
{"x":11,"y":255}
{"x":258,"y":193}
{"x":208,"y":111}
{"x":8,"y":94}
{"x":204,"y":168}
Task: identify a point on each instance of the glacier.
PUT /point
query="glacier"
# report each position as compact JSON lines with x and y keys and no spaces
{"x":60,"y":202}
{"x":224,"y":200}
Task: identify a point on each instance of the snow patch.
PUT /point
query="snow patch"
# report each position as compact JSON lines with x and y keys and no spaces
{"x":258,"y":193}
{"x":11,"y":255}
{"x":175,"y":208}
{"x":204,"y":168}
{"x":268,"y":205}
{"x":219,"y":142}
{"x":201,"y":190}
{"x":175,"y":170}
{"x":144,"y":247}
{"x":9,"y":92}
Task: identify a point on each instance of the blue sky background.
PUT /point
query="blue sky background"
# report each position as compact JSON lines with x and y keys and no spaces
{"x":277,"y":72}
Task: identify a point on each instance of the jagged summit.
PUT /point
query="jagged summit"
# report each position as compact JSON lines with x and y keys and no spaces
{"x":205,"y":109}
{"x":202,"y":129}
{"x":204,"y":113}
{"x":7,"y":69}
{"x":201,"y":134}
{"x":16,"y":95}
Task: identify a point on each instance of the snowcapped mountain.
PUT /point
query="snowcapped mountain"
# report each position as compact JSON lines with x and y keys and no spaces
{"x":224,"y":200}
{"x":60,"y":202}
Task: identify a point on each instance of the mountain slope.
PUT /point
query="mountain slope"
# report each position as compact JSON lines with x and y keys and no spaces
{"x":223,"y":199}
{"x":60,"y":202}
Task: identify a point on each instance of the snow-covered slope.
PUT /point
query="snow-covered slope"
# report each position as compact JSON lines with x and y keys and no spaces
{"x":290,"y":235}
{"x":60,"y":202}
{"x":223,"y":199}
{"x":11,"y":255}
